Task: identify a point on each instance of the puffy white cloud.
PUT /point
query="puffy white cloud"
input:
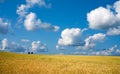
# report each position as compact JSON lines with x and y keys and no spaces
{"x":61,"y":47}
{"x":111,"y":51}
{"x":100,"y":18}
{"x":30,"y":19}
{"x":57,"y":46}
{"x":105,"y":18}
{"x":94,"y":38}
{"x":37,"y":46}
{"x":70,"y":36}
{"x":25,"y":40}
{"x":31,"y":23}
{"x":23,"y":9}
{"x":37,"y":2}
{"x":14,"y":47}
{"x":114,"y":31}
{"x":4,"y":26}
{"x":4,"y":43}
{"x":118,"y":51}
{"x":11,"y":46}
{"x":117,"y":7}
{"x":90,"y":41}
{"x":48,"y":27}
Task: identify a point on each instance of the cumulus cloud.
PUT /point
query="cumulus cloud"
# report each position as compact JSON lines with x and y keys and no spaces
{"x":37,"y":46}
{"x":31,"y":3}
{"x":70,"y":36}
{"x":11,"y":46}
{"x":4,"y":43}
{"x":111,"y":51}
{"x":116,"y":6}
{"x":14,"y":47}
{"x":100,"y":18}
{"x":30,"y":20}
{"x":49,"y":27}
{"x":118,"y":51}
{"x":90,"y":41}
{"x":105,"y":19}
{"x":61,"y":47}
{"x":31,"y":23}
{"x":4,"y":26}
{"x":114,"y":31}
{"x":23,"y":9}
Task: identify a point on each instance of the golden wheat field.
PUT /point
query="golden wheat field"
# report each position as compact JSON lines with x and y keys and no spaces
{"x":12,"y":63}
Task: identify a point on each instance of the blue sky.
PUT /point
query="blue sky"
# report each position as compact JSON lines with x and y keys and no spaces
{"x":89,"y":27}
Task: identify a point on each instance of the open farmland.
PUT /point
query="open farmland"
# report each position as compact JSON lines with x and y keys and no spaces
{"x":12,"y":63}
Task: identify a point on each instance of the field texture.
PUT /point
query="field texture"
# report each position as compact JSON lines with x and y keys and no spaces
{"x":11,"y":63}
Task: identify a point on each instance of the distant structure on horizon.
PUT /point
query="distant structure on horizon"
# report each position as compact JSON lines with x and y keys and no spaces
{"x":30,"y":52}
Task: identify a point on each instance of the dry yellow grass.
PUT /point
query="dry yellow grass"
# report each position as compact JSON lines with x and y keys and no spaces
{"x":11,"y":63}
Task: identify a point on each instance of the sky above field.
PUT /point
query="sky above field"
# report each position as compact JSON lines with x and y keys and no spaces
{"x":87,"y":27}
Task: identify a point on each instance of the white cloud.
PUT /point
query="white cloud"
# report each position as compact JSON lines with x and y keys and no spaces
{"x":23,"y":9}
{"x":30,"y":20}
{"x":4,"y":26}
{"x":114,"y":31}
{"x":90,"y":42}
{"x":100,"y":18}
{"x":70,"y":36}
{"x":48,"y":27}
{"x":57,"y":46}
{"x":4,"y":43}
{"x":31,"y":23}
{"x":117,"y":7}
{"x":60,"y":47}
{"x":95,"y":37}
{"x":37,"y":2}
{"x":118,"y":51}
{"x":15,"y":47}
{"x":37,"y":46}
{"x":106,"y":19}
{"x":11,"y":46}
{"x":25,"y":40}
{"x":111,"y":51}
